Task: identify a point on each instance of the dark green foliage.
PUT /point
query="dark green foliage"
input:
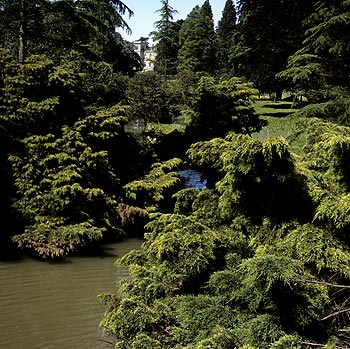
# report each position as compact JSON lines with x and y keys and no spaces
{"x":197,"y":41}
{"x":89,"y":28}
{"x":226,"y":31}
{"x":320,"y":69}
{"x":148,"y":98}
{"x":267,"y":34}
{"x":222,"y":106}
{"x":166,"y":37}
{"x":151,"y":99}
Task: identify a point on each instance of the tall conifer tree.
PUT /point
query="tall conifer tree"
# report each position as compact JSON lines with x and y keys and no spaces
{"x":225,"y":31}
{"x":197,"y":40}
{"x":322,"y":64}
{"x":166,"y":37}
{"x":268,"y":33}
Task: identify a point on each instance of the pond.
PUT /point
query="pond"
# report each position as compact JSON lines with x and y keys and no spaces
{"x":193,"y":179}
{"x":53,"y":304}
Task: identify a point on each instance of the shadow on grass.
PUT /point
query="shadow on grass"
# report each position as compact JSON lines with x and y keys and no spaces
{"x":278,"y":105}
{"x":281,"y":114}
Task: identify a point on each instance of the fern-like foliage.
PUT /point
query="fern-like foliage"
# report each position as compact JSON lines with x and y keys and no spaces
{"x":221,"y":107}
{"x":62,"y":179}
{"x":159,"y":183}
{"x":256,"y":177}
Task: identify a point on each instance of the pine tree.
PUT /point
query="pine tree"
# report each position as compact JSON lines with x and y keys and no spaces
{"x":320,"y":69}
{"x":166,"y":38}
{"x":89,"y":26}
{"x":225,"y":31}
{"x":197,"y":40}
{"x":206,"y":8}
{"x":268,"y":32}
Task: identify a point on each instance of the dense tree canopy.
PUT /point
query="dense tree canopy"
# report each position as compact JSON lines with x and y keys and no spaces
{"x":259,"y":258}
{"x":89,"y":27}
{"x":62,"y":123}
{"x":256,"y":262}
{"x":197,"y":41}
{"x":267,"y":34}
{"x":320,"y":68}
{"x":222,"y":106}
{"x":226,"y":30}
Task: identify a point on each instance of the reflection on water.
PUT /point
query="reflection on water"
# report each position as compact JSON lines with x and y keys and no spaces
{"x":193,"y":179}
{"x":54,"y":305}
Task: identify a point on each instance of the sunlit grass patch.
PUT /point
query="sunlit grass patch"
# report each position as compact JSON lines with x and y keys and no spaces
{"x":281,"y":121}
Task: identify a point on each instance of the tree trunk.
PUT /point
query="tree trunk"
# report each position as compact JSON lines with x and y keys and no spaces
{"x":22,"y":33}
{"x":279,"y":92}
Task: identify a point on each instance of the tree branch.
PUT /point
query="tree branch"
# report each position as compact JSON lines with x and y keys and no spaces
{"x":321,"y":345}
{"x":324,"y":283}
{"x":335,"y":314}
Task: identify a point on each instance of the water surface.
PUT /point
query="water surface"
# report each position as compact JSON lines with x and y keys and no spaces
{"x":54,"y":305}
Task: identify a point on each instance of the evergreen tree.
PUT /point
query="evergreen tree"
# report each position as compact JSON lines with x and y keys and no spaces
{"x":206,"y":8}
{"x":320,"y":69}
{"x":89,"y":27}
{"x":225,"y":31}
{"x":221,"y":107}
{"x":166,"y":38}
{"x":268,"y":33}
{"x":250,"y":263}
{"x":20,"y":23}
{"x":197,"y":41}
{"x":62,"y":148}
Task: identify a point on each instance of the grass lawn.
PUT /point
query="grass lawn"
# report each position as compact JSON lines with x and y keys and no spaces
{"x":281,"y":122}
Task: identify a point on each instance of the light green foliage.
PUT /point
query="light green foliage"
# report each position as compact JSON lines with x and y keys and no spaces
{"x":61,"y":179}
{"x":202,"y":318}
{"x":327,"y":151}
{"x":251,"y":263}
{"x":182,"y":245}
{"x":268,"y":297}
{"x":287,"y":342}
{"x":260,"y":330}
{"x":221,"y":338}
{"x":178,"y":252}
{"x":318,"y":249}
{"x":160,"y":182}
{"x":200,"y":204}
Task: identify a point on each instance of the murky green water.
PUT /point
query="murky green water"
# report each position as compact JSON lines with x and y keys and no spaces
{"x":54,"y":305}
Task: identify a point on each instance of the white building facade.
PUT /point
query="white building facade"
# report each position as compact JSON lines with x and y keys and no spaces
{"x":147,"y":54}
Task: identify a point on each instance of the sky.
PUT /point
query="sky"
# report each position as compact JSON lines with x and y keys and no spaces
{"x":142,"y":23}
